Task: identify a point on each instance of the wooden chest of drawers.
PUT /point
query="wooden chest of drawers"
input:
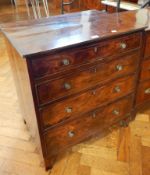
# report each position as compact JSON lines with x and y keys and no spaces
{"x":75,"y":85}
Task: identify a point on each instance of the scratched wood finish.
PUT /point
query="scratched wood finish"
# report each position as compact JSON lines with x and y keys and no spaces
{"x":108,"y":36}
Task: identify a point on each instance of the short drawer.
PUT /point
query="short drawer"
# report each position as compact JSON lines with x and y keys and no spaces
{"x":145,"y":73}
{"x":70,"y":133}
{"x":53,"y":63}
{"x":120,"y":45}
{"x":143,"y":94}
{"x":82,"y":80}
{"x":79,"y":104}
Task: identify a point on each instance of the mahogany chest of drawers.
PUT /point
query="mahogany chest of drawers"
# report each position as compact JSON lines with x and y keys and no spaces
{"x":81,"y":74}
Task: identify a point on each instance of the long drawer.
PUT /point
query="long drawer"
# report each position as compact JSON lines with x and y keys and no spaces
{"x":43,"y":66}
{"x":76,"y":82}
{"x":143,"y":94}
{"x":79,"y":104}
{"x":70,"y":133}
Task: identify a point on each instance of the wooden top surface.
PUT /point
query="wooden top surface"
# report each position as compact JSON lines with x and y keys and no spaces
{"x":57,"y":32}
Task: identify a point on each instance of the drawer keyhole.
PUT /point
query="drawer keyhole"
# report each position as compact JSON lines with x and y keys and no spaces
{"x":94,"y":92}
{"x":95,"y":49}
{"x":94,"y":115}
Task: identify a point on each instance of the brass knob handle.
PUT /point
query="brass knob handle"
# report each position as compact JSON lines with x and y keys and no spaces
{"x":65,"y":62}
{"x":71,"y":134}
{"x":68,"y":109}
{"x":147,"y":91}
{"x":67,"y":86}
{"x":116,"y":112}
{"x":123,"y":45}
{"x":119,"y":67}
{"x":117,"y":89}
{"x":94,"y":115}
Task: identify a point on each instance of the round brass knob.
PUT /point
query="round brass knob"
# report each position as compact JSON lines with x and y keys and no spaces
{"x":71,"y":134}
{"x":94,"y":92}
{"x":68,"y":109}
{"x":119,"y":67}
{"x":67,"y":86}
{"x":117,"y":89}
{"x":116,"y":112}
{"x":123,"y":45}
{"x":65,"y":62}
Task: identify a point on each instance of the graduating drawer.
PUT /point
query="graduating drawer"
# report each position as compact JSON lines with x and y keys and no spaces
{"x":85,"y":79}
{"x":79,"y":104}
{"x":70,"y":133}
{"x":43,"y":66}
{"x":143,"y":94}
{"x":145,"y":73}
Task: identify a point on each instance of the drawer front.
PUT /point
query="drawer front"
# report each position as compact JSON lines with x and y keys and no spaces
{"x":59,"y":138}
{"x":61,"y":62}
{"x":147,"y":47}
{"x":145,"y":73}
{"x":54,"y":63}
{"x":87,"y":101}
{"x":143,"y":94}
{"x":85,"y":79}
{"x":120,"y":45}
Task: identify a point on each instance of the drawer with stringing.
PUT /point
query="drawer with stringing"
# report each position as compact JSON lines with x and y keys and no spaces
{"x":84,"y":79}
{"x":46,"y":65}
{"x":89,"y":100}
{"x":70,"y":133}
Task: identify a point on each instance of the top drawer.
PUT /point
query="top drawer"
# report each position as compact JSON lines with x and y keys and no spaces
{"x":43,"y":66}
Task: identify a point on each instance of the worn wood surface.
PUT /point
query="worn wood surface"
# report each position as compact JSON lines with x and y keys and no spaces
{"x":70,"y":30}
